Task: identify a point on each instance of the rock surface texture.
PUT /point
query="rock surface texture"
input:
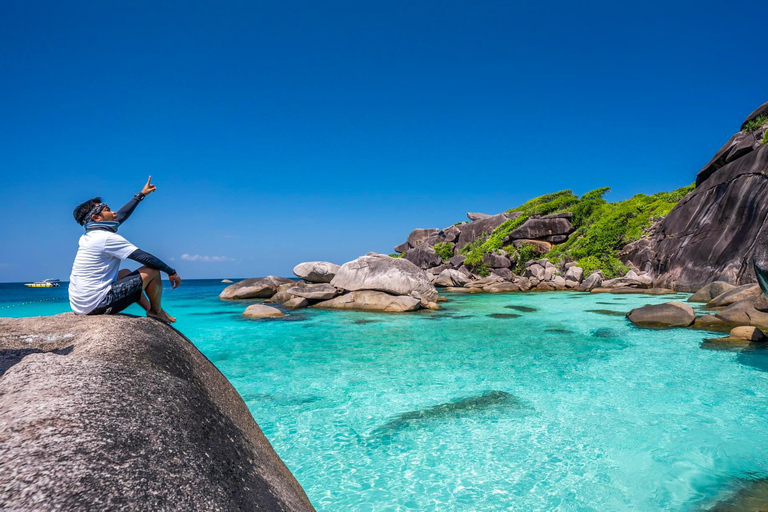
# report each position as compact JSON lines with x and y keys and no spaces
{"x":712,"y":233}
{"x":367,"y":300}
{"x":254,"y":288}
{"x":396,"y":276}
{"x":316,"y":271}
{"x":671,"y":314}
{"x":123,"y":413}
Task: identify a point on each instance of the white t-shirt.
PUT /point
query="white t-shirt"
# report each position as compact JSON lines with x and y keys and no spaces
{"x":95,"y":269}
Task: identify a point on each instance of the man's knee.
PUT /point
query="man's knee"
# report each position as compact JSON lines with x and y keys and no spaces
{"x":148,"y":274}
{"x":123,"y":273}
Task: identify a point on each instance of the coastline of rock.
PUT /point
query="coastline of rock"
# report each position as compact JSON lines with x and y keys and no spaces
{"x":117,"y":412}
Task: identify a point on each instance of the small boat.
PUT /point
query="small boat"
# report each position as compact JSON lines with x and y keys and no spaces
{"x":45,"y":283}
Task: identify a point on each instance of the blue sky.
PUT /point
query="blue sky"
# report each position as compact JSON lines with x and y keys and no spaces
{"x":282,"y":132}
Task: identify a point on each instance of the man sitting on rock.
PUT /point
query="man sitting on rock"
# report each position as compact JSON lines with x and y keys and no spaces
{"x":96,"y":285}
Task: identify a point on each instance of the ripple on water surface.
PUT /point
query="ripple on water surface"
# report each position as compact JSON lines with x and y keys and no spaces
{"x":558,"y":408}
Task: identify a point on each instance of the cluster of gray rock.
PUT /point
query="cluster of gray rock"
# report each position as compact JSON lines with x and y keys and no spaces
{"x":374,"y":282}
{"x":740,"y":310}
{"x":540,"y":231}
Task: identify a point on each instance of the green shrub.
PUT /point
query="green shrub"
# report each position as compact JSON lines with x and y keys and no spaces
{"x":444,"y":250}
{"x":765,"y":138}
{"x":755,"y":123}
{"x":395,"y":255}
{"x":526,"y":253}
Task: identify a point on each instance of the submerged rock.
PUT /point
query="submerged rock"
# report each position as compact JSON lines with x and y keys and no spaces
{"x":471,"y":404}
{"x":262,"y":311}
{"x":671,"y":314}
{"x":378,"y":272}
{"x":124,"y":413}
{"x":316,"y":271}
{"x":254,"y":288}
{"x":368,"y":300}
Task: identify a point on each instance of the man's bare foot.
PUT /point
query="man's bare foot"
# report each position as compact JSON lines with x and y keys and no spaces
{"x":162,"y":316}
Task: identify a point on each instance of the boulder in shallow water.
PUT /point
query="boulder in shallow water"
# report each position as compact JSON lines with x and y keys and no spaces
{"x":262,"y":311}
{"x":743,"y":313}
{"x":368,"y":300}
{"x":254,"y":288}
{"x":738,"y":294}
{"x":296,"y":303}
{"x":316,"y":271}
{"x":315,"y":291}
{"x":502,"y":288}
{"x":396,"y":276}
{"x":114,"y":412}
{"x":747,"y":333}
{"x":711,"y":323}
{"x":671,"y":314}
{"x":710,"y":291}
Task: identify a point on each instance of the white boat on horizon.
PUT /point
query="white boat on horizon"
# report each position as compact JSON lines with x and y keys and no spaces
{"x":45,"y":283}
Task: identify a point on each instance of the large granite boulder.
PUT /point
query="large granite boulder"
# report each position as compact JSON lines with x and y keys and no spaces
{"x":396,"y":276}
{"x":711,"y":233}
{"x":737,"y":294}
{"x":124,"y":413}
{"x":451,"y":277}
{"x":451,"y":234}
{"x":254,"y":288}
{"x":368,"y":300}
{"x":743,"y":313}
{"x":316,"y":271}
{"x":671,"y":314}
{"x":317,"y":291}
{"x":542,"y":227}
{"x":418,"y":236}
{"x":710,"y":291}
{"x":496,"y":260}
{"x":262,"y":311}
{"x":474,"y":230}
{"x":473,"y":216}
{"x":423,"y":256}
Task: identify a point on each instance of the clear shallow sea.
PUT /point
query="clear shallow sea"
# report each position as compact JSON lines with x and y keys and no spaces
{"x":557,"y":408}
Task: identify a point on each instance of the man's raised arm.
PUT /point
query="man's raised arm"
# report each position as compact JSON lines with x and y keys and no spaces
{"x":126,"y":211}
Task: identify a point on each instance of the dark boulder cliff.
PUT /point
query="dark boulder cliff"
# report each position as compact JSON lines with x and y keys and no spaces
{"x":117,"y":412}
{"x":712,"y":233}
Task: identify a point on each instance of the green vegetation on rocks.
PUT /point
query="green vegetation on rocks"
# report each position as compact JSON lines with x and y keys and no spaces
{"x":602,"y":228}
{"x":755,"y":123}
{"x":444,"y":250}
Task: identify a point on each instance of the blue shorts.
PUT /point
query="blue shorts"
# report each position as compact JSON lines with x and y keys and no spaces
{"x":121,"y":294}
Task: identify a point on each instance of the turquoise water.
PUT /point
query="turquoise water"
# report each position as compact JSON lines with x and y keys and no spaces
{"x":544,"y":405}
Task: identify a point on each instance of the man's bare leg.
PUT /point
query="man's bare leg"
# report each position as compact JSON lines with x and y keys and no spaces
{"x":153,"y":286}
{"x":143,"y":302}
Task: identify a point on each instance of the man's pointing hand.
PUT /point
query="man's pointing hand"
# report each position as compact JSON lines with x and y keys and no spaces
{"x":149,"y":187}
